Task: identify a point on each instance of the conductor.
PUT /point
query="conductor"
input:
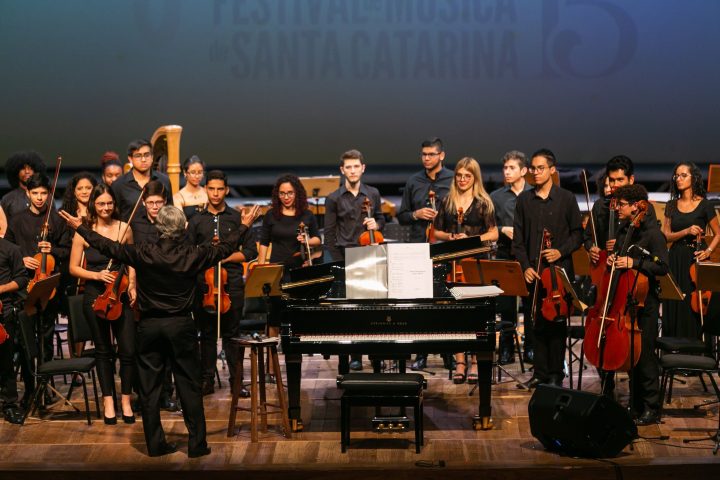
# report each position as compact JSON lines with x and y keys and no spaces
{"x":166,"y":282}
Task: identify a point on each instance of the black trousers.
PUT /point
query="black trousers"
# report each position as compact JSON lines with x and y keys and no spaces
{"x":549,"y":342}
{"x":173,"y":338}
{"x":229,"y":328}
{"x":8,"y":382}
{"x":123,"y":329}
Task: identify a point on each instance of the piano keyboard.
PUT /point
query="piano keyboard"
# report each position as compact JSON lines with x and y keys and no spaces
{"x":349,"y":338}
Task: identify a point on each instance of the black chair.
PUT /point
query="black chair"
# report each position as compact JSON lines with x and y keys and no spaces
{"x":46,"y":371}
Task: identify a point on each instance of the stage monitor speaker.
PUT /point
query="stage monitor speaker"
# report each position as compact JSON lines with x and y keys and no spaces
{"x":579,"y":423}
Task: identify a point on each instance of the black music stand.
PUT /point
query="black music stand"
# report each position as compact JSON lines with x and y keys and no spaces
{"x":708,"y":275}
{"x":669,"y":289}
{"x":504,"y":274}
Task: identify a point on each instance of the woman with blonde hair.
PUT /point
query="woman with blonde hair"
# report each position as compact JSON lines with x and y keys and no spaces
{"x":466,"y":211}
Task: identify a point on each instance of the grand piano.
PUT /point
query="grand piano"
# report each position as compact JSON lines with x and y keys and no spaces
{"x":315,"y":317}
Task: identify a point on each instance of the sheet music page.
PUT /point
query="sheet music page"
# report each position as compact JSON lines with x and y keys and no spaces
{"x":461,"y":293}
{"x":409,"y":270}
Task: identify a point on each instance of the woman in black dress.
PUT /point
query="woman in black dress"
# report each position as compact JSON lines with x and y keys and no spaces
{"x":467,"y":193}
{"x":280,"y":224}
{"x":687,"y":215}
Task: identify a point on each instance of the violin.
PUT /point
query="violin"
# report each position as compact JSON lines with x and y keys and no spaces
{"x":109,"y":305}
{"x":46,"y":260}
{"x":553,"y":305}
{"x":370,"y":236}
{"x":216,"y":278}
{"x":610,"y":335}
{"x":430,"y":230}
{"x":699,"y":300}
{"x":305,"y":250}
{"x":457,"y":273}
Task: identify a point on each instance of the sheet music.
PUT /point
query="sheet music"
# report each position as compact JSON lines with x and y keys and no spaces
{"x":461,"y":293}
{"x":410,"y":272}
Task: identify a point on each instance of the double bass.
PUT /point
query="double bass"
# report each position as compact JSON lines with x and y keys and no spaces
{"x":610,"y":333}
{"x":46,"y":260}
{"x":597,"y":270}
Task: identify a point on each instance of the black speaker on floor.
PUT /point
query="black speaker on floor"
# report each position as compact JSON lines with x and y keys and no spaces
{"x":579,"y":423}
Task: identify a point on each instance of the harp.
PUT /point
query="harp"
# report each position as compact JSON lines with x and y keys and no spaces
{"x":166,"y":153}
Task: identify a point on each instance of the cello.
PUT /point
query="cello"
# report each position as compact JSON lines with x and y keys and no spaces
{"x":370,"y":236}
{"x":554,"y":306}
{"x":47,"y":261}
{"x":610,"y":333}
{"x":597,"y":270}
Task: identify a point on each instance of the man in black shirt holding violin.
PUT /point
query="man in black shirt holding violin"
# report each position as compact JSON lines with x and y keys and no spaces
{"x":550,"y":207}
{"x":214,"y":223}
{"x":646,"y":252}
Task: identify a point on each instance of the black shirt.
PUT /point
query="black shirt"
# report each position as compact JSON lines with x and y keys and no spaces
{"x":476,"y":220}
{"x":14,"y":202}
{"x":504,"y":201}
{"x":12,"y":268}
{"x":167,"y":270}
{"x":415,"y":196}
{"x":649,"y":237}
{"x":282,"y":233}
{"x":202,"y":228}
{"x":24,"y":231}
{"x":344,"y":215}
{"x":559,"y":214}
{"x":127,"y":190}
{"x":700,"y":216}
{"x":143,"y":230}
{"x":605,"y":226}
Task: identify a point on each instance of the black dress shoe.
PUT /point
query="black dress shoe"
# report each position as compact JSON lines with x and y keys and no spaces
{"x":13,"y":415}
{"x":649,"y":417}
{"x":128,"y":419}
{"x":166,"y":449}
{"x":208,"y":388}
{"x":420,"y":363}
{"x":529,"y":356}
{"x":530,"y":384}
{"x":168,"y":404}
{"x":356,"y":365}
{"x":110,"y":420}
{"x":199,"y":453}
{"x":506,"y":357}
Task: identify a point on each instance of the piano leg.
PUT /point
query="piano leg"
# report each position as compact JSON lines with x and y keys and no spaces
{"x":293,"y":366}
{"x":483,"y":421}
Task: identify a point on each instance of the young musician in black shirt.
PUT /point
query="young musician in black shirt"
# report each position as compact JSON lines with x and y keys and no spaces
{"x":13,"y":278}
{"x":549,"y":207}
{"x":167,"y":282}
{"x":217,"y":221}
{"x":644,"y":377}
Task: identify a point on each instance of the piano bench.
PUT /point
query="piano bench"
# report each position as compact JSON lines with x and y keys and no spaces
{"x":381,"y":390}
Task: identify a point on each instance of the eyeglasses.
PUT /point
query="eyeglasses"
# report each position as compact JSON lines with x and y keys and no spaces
{"x":138,"y":156}
{"x":539,"y":169}
{"x":429,"y":154}
{"x":623,"y":203}
{"x":681,"y":175}
{"x":286,"y":194}
{"x":464,"y":176}
{"x":195,"y":173}
{"x":104,"y":204}
{"x":156,"y":203}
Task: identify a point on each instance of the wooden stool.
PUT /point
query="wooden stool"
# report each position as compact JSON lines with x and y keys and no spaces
{"x":258,"y":401}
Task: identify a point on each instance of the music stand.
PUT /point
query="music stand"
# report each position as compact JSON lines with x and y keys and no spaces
{"x":713,"y":179}
{"x":40,"y":293}
{"x":505,"y":274}
{"x":264,"y":281}
{"x":571,"y":293}
{"x":668,"y":288}
{"x":319,"y":187}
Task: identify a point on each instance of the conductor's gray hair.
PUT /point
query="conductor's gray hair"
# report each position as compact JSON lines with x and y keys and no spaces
{"x":170,"y":222}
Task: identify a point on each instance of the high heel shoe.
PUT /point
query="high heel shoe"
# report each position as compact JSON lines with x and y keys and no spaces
{"x":110,"y":420}
{"x":128,"y":419}
{"x":458,"y":377}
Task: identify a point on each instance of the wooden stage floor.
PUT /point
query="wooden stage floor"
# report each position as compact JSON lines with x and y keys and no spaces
{"x":66,"y":447}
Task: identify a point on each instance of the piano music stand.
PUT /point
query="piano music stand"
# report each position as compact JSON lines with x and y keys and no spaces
{"x":504,"y":274}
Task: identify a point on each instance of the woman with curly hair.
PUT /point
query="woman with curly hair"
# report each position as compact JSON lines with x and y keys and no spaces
{"x":687,"y":215}
{"x":280,"y":224}
{"x":77,"y":194}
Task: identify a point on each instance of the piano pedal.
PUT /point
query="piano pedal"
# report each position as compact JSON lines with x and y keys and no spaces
{"x":296,"y":425}
{"x":482,"y":423}
{"x":390,"y":424}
